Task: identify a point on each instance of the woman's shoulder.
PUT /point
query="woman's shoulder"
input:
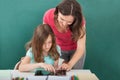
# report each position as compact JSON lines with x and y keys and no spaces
{"x":48,"y":17}
{"x":49,"y":12}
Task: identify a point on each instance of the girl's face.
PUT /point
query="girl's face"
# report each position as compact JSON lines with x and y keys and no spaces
{"x":47,"y":44}
{"x":65,"y":21}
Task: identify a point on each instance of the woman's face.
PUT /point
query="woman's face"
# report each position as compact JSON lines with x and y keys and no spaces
{"x":65,"y":21}
{"x":47,"y":44}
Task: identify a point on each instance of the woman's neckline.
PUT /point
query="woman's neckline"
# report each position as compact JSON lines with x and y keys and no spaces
{"x":57,"y":26}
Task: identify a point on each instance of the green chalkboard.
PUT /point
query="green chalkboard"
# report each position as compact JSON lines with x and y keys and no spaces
{"x":18,"y":19}
{"x":103,"y":30}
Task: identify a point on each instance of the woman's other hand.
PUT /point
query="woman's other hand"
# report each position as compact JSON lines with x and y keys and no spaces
{"x":65,"y":66}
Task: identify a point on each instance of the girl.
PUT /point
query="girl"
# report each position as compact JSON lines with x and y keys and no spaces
{"x":42,"y":53}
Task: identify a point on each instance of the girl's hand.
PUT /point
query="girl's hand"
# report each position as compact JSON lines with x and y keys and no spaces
{"x":47,"y":67}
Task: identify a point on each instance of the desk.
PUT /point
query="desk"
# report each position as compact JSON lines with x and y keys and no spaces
{"x":82,"y":74}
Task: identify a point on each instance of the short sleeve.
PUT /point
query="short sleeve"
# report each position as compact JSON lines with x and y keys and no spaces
{"x":58,"y":49}
{"x":48,"y":16}
{"x":29,"y":53}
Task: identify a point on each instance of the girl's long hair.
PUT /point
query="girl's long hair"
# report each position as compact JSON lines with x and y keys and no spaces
{"x":41,"y":33}
{"x":72,"y":7}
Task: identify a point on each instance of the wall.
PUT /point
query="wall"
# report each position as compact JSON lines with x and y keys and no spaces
{"x":18,"y":19}
{"x":103,"y":46}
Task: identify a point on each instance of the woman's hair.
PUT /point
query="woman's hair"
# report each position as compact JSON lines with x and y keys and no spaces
{"x":40,"y":35}
{"x":72,"y":7}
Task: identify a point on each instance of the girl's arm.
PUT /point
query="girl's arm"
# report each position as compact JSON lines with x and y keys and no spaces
{"x":27,"y":66}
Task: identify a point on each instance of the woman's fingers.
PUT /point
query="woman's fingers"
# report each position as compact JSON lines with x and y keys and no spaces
{"x":65,"y":66}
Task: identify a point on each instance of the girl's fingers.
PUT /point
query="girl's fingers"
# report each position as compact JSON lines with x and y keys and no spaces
{"x":50,"y":68}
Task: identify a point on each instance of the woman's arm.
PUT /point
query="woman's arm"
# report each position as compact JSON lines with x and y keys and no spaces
{"x":81,"y":45}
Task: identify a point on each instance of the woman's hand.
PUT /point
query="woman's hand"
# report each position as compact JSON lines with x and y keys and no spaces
{"x":65,"y":66}
{"x":47,"y":67}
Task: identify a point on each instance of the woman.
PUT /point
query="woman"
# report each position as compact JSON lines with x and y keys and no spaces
{"x":68,"y":25}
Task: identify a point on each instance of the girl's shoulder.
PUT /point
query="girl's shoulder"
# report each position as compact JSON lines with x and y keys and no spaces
{"x":29,"y":53}
{"x":58,"y":49}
